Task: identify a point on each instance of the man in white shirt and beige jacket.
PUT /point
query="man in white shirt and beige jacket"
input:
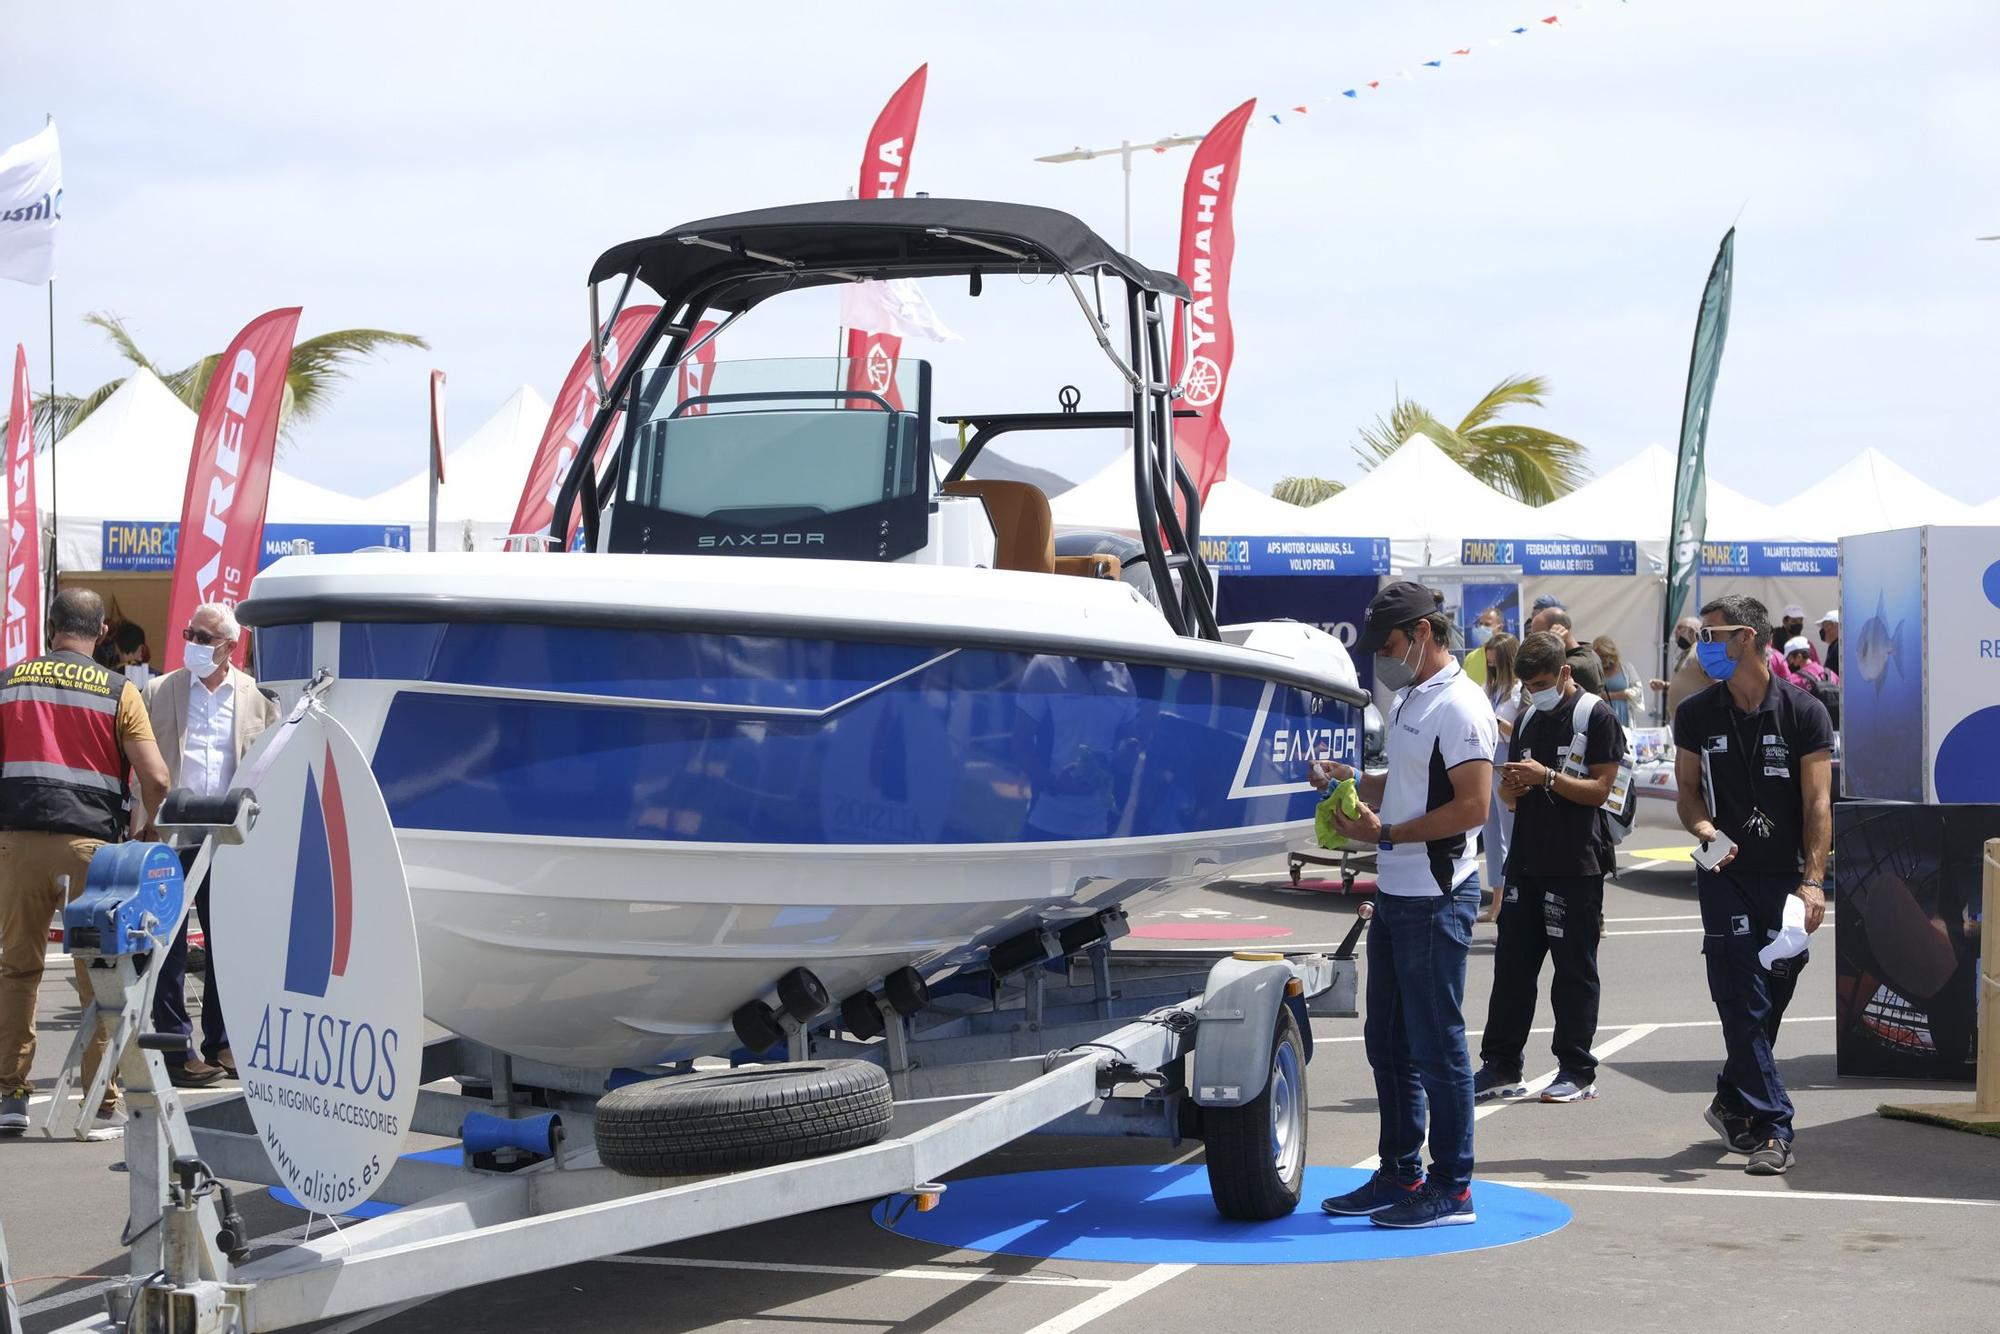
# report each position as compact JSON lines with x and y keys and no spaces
{"x":205,"y":715}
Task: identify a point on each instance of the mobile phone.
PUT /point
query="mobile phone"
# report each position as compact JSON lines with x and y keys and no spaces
{"x":1709,"y":855}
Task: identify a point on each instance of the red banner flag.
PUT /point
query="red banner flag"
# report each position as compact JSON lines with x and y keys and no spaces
{"x":21,"y":630}
{"x":569,"y":419}
{"x":885,"y":173}
{"x":437,"y":425}
{"x":1208,"y":244}
{"x":694,"y":369}
{"x":229,"y":474}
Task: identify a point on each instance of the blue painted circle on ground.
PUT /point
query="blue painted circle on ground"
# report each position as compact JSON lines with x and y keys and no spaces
{"x":1164,"y":1215}
{"x":1965,"y":770}
{"x":1991,"y":582}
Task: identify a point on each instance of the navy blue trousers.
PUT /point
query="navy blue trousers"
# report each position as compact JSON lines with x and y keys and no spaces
{"x":1740,"y":912}
{"x":170,"y":1007}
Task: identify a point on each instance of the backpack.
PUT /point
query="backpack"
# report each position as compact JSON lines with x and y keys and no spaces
{"x":1621,"y":808}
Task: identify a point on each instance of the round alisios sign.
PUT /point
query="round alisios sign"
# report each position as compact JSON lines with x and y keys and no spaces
{"x":324,"y":998}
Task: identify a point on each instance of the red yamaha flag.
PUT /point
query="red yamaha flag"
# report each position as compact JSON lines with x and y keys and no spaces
{"x":694,"y":369}
{"x":21,"y":630}
{"x":1208,"y":244}
{"x":229,"y":474}
{"x":575,"y":405}
{"x":885,"y":172}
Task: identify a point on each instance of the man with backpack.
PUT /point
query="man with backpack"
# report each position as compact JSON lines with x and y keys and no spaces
{"x":1566,"y":762}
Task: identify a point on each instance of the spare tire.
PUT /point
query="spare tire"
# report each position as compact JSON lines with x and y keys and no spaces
{"x":722,"y":1120}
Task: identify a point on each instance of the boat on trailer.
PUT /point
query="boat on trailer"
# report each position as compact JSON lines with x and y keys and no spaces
{"x":781,"y":719}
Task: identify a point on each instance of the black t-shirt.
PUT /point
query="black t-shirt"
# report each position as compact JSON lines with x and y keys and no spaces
{"x":1553,"y":835}
{"x":1586,"y":669}
{"x":1832,"y":657}
{"x":1750,"y":764}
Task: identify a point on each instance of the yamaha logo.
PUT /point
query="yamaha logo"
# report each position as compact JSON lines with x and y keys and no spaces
{"x":881,"y":368}
{"x":1204,"y":382}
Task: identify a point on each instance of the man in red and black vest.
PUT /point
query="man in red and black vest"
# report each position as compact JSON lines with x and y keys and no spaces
{"x":72,"y":733}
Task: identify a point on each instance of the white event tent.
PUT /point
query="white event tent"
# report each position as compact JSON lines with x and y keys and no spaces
{"x":1870,"y":493}
{"x":1233,"y":509}
{"x":128,"y":462}
{"x":1425,"y":504}
{"x":484,"y":474}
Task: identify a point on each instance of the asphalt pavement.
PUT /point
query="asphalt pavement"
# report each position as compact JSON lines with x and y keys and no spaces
{"x":1881,"y":1225}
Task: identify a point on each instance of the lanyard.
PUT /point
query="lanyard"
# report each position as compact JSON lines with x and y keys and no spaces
{"x":1756,"y":823}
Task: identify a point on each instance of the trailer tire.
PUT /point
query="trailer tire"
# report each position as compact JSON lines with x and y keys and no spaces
{"x":724,"y":1120}
{"x":1257,"y":1152}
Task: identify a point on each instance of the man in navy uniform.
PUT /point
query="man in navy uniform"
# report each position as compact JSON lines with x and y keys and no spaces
{"x":1754,"y":763}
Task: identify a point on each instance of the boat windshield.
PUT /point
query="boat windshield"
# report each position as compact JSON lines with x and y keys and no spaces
{"x":720,"y":457}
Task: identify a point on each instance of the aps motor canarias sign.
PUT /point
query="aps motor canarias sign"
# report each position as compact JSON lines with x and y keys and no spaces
{"x":324,"y":997}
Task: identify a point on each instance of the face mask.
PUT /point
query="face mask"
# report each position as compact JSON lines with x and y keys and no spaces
{"x":1546,"y":701}
{"x":1683,"y":643}
{"x":1481,"y":634}
{"x":1395,"y":673}
{"x":199,"y":659}
{"x":1715,"y":660}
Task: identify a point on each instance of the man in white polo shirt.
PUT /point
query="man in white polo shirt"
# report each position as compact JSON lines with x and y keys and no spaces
{"x":1441,"y":736}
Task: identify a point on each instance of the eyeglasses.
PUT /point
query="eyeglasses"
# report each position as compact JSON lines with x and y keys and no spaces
{"x":194,"y":636}
{"x":1719,"y":634}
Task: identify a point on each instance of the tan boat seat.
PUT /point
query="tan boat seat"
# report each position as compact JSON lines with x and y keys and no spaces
{"x":1091,"y":567}
{"x":1025,"y":536}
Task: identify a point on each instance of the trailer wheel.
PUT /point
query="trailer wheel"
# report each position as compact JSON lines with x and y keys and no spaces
{"x":727,"y":1119}
{"x":1257,"y":1152}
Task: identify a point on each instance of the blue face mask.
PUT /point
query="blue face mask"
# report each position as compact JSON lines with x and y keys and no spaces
{"x":1715,"y":660}
{"x":1481,"y":634}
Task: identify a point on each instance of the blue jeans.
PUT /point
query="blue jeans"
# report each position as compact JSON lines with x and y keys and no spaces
{"x":1415,"y":1032}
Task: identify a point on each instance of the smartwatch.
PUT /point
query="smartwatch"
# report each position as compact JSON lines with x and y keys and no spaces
{"x":1386,"y":844}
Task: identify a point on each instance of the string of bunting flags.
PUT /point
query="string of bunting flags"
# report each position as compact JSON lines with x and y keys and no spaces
{"x":1542,"y":23}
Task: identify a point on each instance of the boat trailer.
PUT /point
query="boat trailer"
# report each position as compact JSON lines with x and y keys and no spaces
{"x":1082,"y":1042}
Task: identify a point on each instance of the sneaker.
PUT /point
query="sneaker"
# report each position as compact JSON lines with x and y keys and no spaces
{"x":1733,"y":1130}
{"x":1379,"y":1192}
{"x":110,"y":1123}
{"x":1428,"y":1207}
{"x":14,"y":1112}
{"x":1492,"y":1082}
{"x":194,"y":1073}
{"x":1570,"y":1088}
{"x":1773,"y":1158}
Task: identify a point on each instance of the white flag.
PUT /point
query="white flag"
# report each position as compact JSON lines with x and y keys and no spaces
{"x":30,"y":207}
{"x":896,"y":307}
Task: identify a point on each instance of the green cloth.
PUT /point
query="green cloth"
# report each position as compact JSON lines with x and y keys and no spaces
{"x":1340,"y":797}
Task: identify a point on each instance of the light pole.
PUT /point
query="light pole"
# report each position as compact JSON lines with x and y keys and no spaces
{"x":1126,"y":148}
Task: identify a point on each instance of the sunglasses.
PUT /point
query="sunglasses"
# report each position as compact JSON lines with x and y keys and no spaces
{"x":194,"y":636}
{"x":1719,"y":634}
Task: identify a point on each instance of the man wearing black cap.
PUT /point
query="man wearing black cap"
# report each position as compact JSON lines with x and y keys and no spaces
{"x":1441,"y":736}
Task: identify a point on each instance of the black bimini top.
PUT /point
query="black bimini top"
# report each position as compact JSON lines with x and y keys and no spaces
{"x":735,"y":261}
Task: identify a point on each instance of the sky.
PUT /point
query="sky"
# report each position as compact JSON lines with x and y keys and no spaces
{"x":1549,"y":204}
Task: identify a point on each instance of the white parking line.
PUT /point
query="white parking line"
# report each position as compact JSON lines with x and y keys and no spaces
{"x":1833,"y":1195}
{"x":1605,"y":1028}
{"x":1684,"y":917}
{"x":932,"y":1273}
{"x":1602,"y":1050}
{"x":1110,"y":1300}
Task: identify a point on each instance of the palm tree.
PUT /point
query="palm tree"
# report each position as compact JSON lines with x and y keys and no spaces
{"x":318,"y":366}
{"x":1525,"y":462}
{"x":1306,"y":490}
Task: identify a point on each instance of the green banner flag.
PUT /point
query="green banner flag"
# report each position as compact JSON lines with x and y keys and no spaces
{"x":1690,"y":525}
